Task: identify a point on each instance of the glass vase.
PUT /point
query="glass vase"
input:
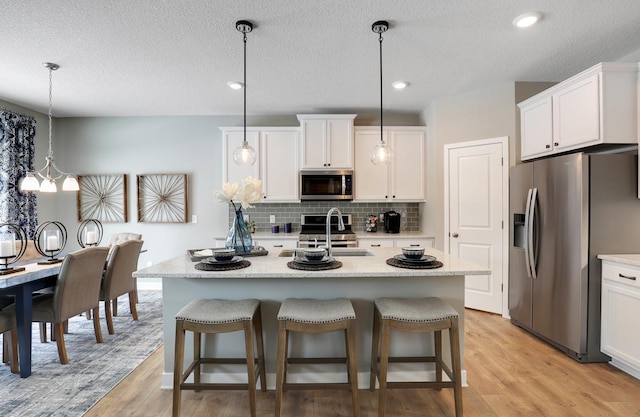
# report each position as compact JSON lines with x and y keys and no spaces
{"x":239,"y":237}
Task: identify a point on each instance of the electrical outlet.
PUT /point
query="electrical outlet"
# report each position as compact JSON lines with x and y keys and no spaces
{"x":194,"y":218}
{"x":272,"y":218}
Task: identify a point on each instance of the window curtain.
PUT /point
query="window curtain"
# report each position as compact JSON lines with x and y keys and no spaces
{"x":17,"y":151}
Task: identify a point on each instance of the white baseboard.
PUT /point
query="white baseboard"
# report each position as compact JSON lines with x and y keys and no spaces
{"x":307,"y":377}
{"x":631,"y":370}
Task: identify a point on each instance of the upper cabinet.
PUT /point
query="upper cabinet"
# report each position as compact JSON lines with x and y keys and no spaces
{"x":597,"y":106}
{"x":403,"y":179}
{"x":276,"y":165}
{"x":327,"y":141}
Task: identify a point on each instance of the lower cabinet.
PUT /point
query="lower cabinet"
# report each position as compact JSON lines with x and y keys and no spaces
{"x":620,"y":311}
{"x":395,"y":243}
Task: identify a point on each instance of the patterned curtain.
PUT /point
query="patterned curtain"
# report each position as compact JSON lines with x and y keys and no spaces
{"x":17,"y":150}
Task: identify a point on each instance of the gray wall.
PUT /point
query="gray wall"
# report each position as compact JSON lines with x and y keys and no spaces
{"x":481,"y":114}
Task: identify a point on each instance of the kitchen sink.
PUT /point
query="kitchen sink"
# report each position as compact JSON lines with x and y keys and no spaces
{"x":334,"y":251}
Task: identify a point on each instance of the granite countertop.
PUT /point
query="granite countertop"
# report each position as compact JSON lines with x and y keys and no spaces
{"x":627,"y":259}
{"x":275,"y":266}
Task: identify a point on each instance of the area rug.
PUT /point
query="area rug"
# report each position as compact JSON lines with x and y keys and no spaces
{"x":94,"y":368}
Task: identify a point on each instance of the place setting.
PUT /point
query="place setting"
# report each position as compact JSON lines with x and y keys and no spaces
{"x":413,"y":257}
{"x":313,"y":259}
{"x":223,"y":259}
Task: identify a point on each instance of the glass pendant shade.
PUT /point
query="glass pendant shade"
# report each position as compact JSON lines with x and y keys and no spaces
{"x":70,"y":184}
{"x":48,"y":186}
{"x":381,"y":154}
{"x":244,"y":155}
{"x":30,"y":183}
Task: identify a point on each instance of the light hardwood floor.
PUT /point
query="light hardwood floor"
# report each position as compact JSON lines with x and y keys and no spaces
{"x":510,"y":373}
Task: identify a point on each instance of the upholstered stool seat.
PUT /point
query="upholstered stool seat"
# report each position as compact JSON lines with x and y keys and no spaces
{"x":415,"y":315}
{"x":211,"y":317}
{"x":316,"y":316}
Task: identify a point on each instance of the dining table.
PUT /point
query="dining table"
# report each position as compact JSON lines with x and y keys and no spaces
{"x":21,"y":285}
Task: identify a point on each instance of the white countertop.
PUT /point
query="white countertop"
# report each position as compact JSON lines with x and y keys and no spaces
{"x":627,"y":259}
{"x":274,"y":266}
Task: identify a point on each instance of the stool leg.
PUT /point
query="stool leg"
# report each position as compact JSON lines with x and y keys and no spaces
{"x":177,"y":367}
{"x":454,"y":338}
{"x":384,"y":366}
{"x":352,"y":364}
{"x":251,"y":365}
{"x":257,"y":322}
{"x":197,"y":347}
{"x":437,"y":338}
{"x":375,"y":345}
{"x":280,"y":366}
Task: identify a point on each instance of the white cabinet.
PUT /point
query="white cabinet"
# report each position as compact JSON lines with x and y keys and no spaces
{"x":620,"y":309}
{"x":401,"y":180}
{"x":597,"y":106}
{"x":276,"y":163}
{"x":276,"y":245}
{"x":427,"y":242}
{"x":279,"y":165}
{"x":366,"y":242}
{"x":398,"y":242}
{"x":327,"y":141}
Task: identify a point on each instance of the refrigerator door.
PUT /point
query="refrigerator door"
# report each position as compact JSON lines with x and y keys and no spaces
{"x":520,"y":284}
{"x":560,"y":289}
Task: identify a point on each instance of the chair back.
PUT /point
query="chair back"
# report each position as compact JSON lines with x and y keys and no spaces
{"x":123,"y":261}
{"x":7,"y":321}
{"x":117,"y":238}
{"x":78,"y":285}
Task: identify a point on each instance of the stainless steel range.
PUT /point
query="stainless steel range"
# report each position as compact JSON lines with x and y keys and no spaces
{"x":313,"y":231}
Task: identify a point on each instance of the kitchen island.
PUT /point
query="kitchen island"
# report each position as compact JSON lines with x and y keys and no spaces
{"x":360,"y":278}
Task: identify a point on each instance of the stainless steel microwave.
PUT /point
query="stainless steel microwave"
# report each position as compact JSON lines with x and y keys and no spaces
{"x":326,"y":185}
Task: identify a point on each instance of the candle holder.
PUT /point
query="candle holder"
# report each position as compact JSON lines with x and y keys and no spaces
{"x":8,"y":252}
{"x":89,"y":233}
{"x":50,"y":240}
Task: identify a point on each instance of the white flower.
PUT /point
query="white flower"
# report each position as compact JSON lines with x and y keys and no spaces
{"x":247,"y":193}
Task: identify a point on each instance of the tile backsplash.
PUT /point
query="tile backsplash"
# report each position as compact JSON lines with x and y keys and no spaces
{"x":291,"y":212}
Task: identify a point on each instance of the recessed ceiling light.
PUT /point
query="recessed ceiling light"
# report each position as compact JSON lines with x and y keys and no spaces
{"x":527,"y":19}
{"x":236,"y":85}
{"x":399,"y":85}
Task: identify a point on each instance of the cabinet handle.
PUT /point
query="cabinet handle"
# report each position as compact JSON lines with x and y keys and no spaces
{"x":375,"y":245}
{"x":548,"y":146}
{"x":393,"y":196}
{"x":414,"y":244}
{"x":264,"y":196}
{"x":556,"y":144}
{"x":454,"y":235}
{"x":277,"y":246}
{"x":627,"y":277}
{"x":386,"y":196}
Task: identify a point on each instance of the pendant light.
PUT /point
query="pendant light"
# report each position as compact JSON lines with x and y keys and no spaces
{"x":382,"y":153}
{"x":244,"y":154}
{"x":50,"y":172}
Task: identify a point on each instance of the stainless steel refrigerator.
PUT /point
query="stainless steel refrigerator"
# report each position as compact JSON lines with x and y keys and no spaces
{"x":566,"y":210}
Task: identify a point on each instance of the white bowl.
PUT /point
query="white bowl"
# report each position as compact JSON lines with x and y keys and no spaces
{"x":224,"y":254}
{"x":413,"y":252}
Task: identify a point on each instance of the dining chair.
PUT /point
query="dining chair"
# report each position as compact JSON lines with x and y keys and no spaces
{"x":115,"y":239}
{"x":77,"y":290}
{"x":118,"y":279}
{"x":9,"y":339}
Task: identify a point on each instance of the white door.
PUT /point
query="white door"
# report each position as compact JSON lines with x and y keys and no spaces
{"x":476,"y":211}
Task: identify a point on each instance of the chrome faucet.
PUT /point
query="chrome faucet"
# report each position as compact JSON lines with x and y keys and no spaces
{"x":340,"y":226}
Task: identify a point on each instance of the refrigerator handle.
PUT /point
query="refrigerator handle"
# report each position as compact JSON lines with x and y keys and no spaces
{"x":531,"y":246}
{"x":527,"y":222}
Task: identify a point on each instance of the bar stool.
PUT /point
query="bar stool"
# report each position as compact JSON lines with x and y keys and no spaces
{"x":415,"y":315}
{"x":316,"y":316}
{"x":212,"y":317}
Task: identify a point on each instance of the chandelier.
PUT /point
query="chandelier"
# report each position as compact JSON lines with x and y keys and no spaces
{"x":50,"y":172}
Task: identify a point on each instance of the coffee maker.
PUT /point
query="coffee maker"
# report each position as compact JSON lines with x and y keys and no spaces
{"x":392,"y":222}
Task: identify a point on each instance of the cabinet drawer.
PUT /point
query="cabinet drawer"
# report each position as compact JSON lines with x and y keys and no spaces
{"x":375,"y":243}
{"x":624,"y":274}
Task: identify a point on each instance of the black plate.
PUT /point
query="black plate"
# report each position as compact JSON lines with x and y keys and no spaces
{"x":423,"y":260}
{"x":213,"y":261}
{"x":302,"y":260}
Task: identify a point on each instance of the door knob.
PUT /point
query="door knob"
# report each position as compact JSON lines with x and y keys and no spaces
{"x":454,"y":235}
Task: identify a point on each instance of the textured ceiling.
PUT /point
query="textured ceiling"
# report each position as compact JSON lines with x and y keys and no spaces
{"x":158,"y":57}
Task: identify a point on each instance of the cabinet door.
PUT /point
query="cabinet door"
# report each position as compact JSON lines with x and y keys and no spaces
{"x":279,"y":165}
{"x":536,"y":129}
{"x":407,"y":168}
{"x":370,"y":181}
{"x":375,"y":243}
{"x":424,"y":242}
{"x":231,"y":171}
{"x":314,"y":132}
{"x":339,"y":153}
{"x":576,"y":114}
{"x":276,"y":245}
{"x":620,"y":310}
